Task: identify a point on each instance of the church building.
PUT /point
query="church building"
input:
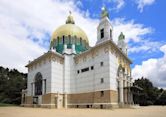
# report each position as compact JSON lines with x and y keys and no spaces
{"x":74,"y":75}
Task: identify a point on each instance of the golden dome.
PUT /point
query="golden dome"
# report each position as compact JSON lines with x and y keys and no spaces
{"x":69,"y":29}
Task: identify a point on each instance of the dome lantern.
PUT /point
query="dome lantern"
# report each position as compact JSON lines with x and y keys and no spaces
{"x":70,"y":19}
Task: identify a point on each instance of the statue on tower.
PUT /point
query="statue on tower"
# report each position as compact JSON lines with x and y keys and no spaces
{"x":121,"y":36}
{"x":121,"y":43}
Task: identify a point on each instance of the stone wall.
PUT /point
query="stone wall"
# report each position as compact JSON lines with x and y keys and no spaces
{"x":108,"y":99}
{"x":81,"y":100}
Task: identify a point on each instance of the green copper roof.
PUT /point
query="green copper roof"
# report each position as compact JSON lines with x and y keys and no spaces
{"x":121,"y":36}
{"x":80,"y":45}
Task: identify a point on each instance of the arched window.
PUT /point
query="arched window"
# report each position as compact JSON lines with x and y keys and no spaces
{"x":110,"y":33}
{"x":63,"y":39}
{"x":120,"y":69}
{"x":38,"y":84}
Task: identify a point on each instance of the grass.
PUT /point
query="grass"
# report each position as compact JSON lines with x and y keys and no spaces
{"x":5,"y":105}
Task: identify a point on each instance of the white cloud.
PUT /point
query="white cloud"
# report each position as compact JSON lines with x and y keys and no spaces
{"x":135,"y":33}
{"x":23,"y":20}
{"x":145,"y":46}
{"x":142,"y":3}
{"x":153,"y":69}
{"x":79,"y":3}
{"x":119,"y":4}
{"x":132,"y":31}
{"x":15,"y":52}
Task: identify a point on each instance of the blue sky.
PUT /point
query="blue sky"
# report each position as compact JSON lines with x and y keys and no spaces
{"x":26,"y":27}
{"x":151,"y":16}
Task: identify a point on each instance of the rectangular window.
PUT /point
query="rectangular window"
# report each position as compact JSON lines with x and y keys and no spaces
{"x":78,"y":71}
{"x":31,"y":89}
{"x":102,"y":80}
{"x":85,"y":69}
{"x":45,"y":86}
{"x":102,"y":33}
{"x":101,"y":63}
{"x":92,"y":67}
{"x":110,"y":33}
{"x":101,"y":93}
{"x":63,"y":39}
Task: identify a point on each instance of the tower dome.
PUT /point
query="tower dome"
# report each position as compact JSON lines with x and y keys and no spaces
{"x":69,"y":34}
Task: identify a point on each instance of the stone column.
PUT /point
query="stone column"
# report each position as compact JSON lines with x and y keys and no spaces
{"x":66,"y":69}
{"x":33,"y":89}
{"x":73,"y":49}
{"x":125,"y":88}
{"x":128,"y":89}
{"x":65,"y":99}
{"x":57,"y":99}
{"x":43,"y":86}
{"x":131,"y":95}
{"x":22,"y":93}
{"x":128,"y":92}
{"x":65,"y":48}
{"x":121,"y":88}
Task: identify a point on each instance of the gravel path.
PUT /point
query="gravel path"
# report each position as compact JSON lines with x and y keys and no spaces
{"x":150,"y":111}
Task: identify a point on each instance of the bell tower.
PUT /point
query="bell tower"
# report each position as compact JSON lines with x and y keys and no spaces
{"x":104,"y":29}
{"x":121,"y":43}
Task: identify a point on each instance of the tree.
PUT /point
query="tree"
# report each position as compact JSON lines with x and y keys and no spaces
{"x":150,"y":94}
{"x":11,"y":84}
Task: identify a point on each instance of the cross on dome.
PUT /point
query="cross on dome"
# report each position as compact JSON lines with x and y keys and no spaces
{"x":104,"y":12}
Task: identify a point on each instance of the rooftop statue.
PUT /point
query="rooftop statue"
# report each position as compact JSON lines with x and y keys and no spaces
{"x":121,"y":36}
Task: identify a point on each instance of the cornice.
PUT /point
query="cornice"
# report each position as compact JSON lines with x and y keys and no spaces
{"x":103,"y":44}
{"x":45,"y":55}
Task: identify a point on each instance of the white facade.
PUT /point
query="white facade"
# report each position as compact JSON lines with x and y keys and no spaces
{"x":51,"y":70}
{"x":104,"y":67}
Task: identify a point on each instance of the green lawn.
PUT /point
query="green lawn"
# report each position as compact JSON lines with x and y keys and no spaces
{"x":4,"y":104}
